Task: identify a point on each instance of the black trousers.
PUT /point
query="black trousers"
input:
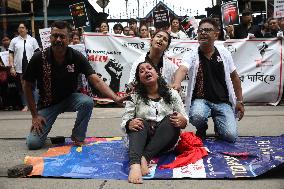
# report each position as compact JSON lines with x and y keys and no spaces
{"x":148,"y":144}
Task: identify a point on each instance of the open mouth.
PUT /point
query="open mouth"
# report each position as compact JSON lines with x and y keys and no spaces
{"x":148,"y":76}
{"x":159,"y":43}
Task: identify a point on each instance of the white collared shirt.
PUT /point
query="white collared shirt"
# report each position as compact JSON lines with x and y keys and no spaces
{"x":191,"y":62}
{"x":17,"y":46}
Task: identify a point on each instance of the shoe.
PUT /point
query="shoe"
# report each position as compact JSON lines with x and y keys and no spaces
{"x":21,"y":170}
{"x":76,"y":142}
{"x":25,"y":109}
{"x":201,"y":134}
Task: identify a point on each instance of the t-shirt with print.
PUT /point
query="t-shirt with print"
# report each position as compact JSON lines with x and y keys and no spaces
{"x":64,"y":77}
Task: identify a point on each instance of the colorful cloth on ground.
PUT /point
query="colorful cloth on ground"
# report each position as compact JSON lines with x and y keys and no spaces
{"x":107,"y":158}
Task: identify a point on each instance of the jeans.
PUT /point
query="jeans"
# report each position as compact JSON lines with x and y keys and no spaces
{"x":222,"y":114}
{"x":81,"y":103}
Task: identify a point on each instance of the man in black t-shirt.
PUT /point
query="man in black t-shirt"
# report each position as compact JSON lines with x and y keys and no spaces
{"x":56,"y":71}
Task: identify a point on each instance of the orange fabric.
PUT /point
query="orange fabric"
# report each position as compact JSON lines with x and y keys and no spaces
{"x":190,"y":148}
{"x":37,"y":163}
{"x":57,"y":151}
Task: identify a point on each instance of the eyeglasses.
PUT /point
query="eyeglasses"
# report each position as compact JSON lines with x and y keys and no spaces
{"x":56,"y":35}
{"x":205,"y":30}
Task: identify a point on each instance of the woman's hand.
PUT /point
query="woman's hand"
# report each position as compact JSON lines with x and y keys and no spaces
{"x":178,"y":120}
{"x":136,"y":124}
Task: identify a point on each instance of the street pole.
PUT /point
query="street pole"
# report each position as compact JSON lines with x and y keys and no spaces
{"x":138,"y":9}
{"x":45,"y":13}
{"x":126,"y":1}
{"x":32,"y":18}
{"x":3,"y":11}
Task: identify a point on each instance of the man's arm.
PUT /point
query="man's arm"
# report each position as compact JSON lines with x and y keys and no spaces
{"x":30,"y":99}
{"x":103,"y":88}
{"x":37,"y":120}
{"x":179,"y":76}
{"x":11,"y":64}
{"x":238,"y":91}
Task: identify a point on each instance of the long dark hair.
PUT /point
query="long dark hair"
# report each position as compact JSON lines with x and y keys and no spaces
{"x":163,"y":89}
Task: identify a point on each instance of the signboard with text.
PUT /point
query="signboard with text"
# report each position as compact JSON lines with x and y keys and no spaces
{"x":161,"y":18}
{"x":278,"y":9}
{"x":230,"y":13}
{"x":79,"y":15}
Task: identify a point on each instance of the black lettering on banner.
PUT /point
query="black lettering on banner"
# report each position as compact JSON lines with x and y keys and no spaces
{"x":177,"y":50}
{"x":140,"y":45}
{"x":103,"y":52}
{"x":261,"y":77}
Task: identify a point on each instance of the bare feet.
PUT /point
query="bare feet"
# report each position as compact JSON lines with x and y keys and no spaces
{"x":135,"y":175}
{"x":144,"y":166}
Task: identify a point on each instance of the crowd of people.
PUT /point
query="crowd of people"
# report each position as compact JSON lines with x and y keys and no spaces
{"x":47,"y":81}
{"x":22,"y":47}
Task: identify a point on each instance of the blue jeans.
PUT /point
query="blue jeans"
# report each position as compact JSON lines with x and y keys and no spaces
{"x":222,"y":114}
{"x":81,"y":103}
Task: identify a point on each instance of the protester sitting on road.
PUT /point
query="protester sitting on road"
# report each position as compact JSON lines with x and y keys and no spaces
{"x":158,"y":45}
{"x":144,"y":31}
{"x":153,"y":120}
{"x":104,"y":28}
{"x":117,"y":28}
{"x":56,"y":71}
{"x":175,"y":31}
{"x":214,"y":87}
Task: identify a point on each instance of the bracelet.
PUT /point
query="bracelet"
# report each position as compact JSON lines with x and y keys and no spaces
{"x":241,"y":102}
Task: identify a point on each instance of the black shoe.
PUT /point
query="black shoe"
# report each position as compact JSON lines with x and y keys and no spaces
{"x":21,"y":170}
{"x":201,"y":134}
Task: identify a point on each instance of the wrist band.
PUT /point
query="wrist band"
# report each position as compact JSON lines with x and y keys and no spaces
{"x":240,"y":101}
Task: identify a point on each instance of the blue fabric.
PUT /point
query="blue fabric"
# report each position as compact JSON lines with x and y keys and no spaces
{"x":247,"y":157}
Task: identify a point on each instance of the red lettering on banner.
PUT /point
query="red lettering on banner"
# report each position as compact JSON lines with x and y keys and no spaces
{"x":97,"y":58}
{"x":176,"y":61}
